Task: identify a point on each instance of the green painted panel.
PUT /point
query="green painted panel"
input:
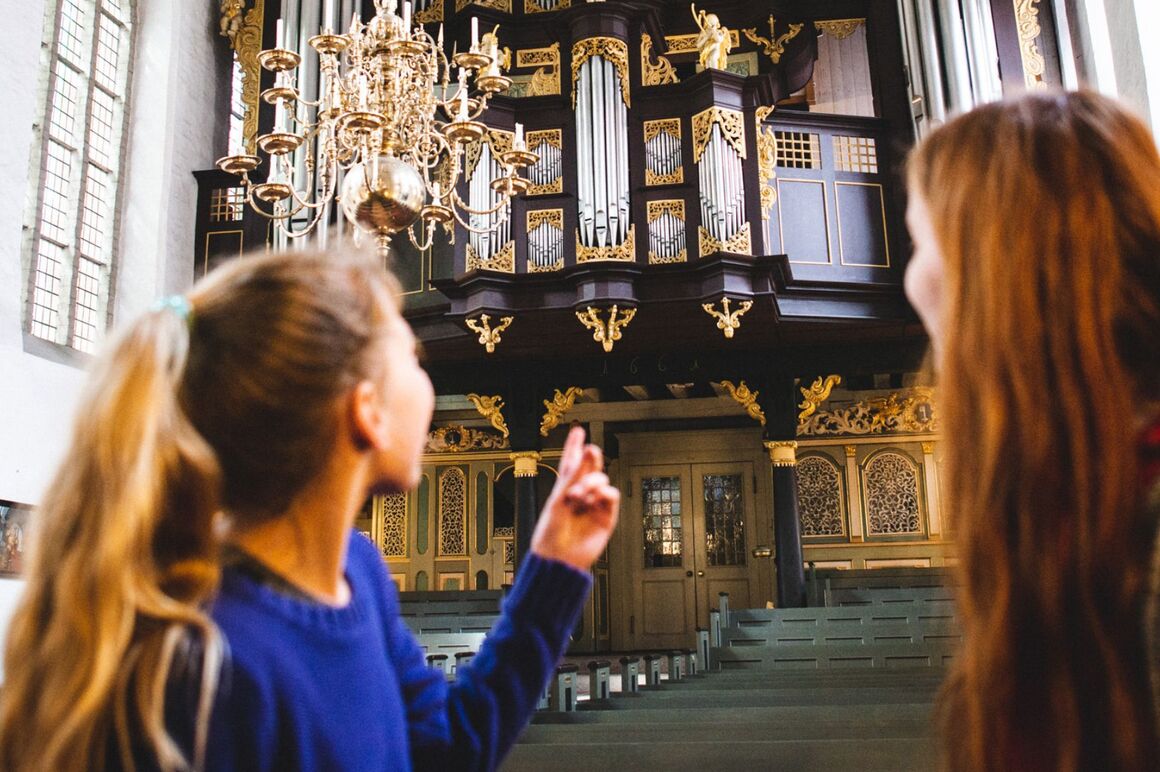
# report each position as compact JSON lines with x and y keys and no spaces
{"x":421,"y":580}
{"x":482,"y":532}
{"x":423,"y":517}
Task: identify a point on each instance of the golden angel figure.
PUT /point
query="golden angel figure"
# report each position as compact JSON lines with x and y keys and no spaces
{"x":714,"y":41}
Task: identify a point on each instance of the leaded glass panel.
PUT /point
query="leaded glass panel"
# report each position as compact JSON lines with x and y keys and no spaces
{"x":724,"y":520}
{"x":661,"y":499}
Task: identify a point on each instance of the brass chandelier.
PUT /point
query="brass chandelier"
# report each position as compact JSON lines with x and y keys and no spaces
{"x":389,"y":135}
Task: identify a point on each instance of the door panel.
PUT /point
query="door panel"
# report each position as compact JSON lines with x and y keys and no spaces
{"x":664,"y":606}
{"x":692,"y":527}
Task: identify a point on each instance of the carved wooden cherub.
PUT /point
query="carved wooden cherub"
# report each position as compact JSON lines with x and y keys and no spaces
{"x":713,"y":42}
{"x":231,"y":18}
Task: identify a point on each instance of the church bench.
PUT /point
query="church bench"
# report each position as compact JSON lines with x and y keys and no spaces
{"x":457,"y":623}
{"x":905,"y":632}
{"x":838,"y":655}
{"x":857,"y":596}
{"x":818,"y":616}
{"x":450,"y":643}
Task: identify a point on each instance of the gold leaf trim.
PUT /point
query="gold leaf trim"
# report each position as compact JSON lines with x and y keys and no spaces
{"x":488,"y":335}
{"x":728,"y":320}
{"x":687,"y":44}
{"x":531,"y":7}
{"x":458,"y":439}
{"x":739,"y":243}
{"x":245,"y":35}
{"x":913,"y":410}
{"x":612,"y":49}
{"x":817,"y":393}
{"x":606,"y":333}
{"x":430,"y":15}
{"x":732,"y":128}
{"x":622,"y":252}
{"x":538,"y":217}
{"x":498,"y":5}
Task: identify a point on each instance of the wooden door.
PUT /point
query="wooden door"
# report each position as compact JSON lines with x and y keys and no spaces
{"x":665,"y":600}
{"x":693,"y":525}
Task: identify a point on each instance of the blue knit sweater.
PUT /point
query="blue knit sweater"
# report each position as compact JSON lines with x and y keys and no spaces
{"x":310,"y":687}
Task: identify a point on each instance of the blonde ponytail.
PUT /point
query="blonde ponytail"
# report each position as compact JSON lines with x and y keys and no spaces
{"x":123,"y":561}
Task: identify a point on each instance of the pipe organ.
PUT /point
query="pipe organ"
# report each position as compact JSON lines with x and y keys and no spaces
{"x":490,"y":241}
{"x":718,"y":151}
{"x":601,"y":100}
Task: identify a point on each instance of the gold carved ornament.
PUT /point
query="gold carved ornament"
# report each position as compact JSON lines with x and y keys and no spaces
{"x":245,"y":34}
{"x":531,"y":6}
{"x":816,"y":394}
{"x":913,"y":410}
{"x":782,"y":453}
{"x":606,"y":333}
{"x":546,"y":79}
{"x":613,"y":50}
{"x":538,"y":217}
{"x":503,"y":261}
{"x":774,"y":46}
{"x":1027,"y":22}
{"x":739,"y":243}
{"x":490,"y":408}
{"x":727,"y":321}
{"x":560,"y":404}
{"x":713,"y":42}
{"x":732,"y":128}
{"x":497,"y":5}
{"x":488,"y":335}
{"x":839,"y":29}
{"x":657,"y":209}
{"x":747,"y":398}
{"x":526,"y":463}
{"x":687,"y":44}
{"x":431,"y":14}
{"x":459,"y":439}
{"x":766,"y":160}
{"x":622,"y":252}
{"x":660,"y":74}
{"x":652,"y":129}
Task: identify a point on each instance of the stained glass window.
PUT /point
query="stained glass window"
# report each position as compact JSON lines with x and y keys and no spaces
{"x":724,"y":520}
{"x":662,"y":521}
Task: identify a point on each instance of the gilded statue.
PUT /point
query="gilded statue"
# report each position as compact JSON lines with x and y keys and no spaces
{"x":489,"y":45}
{"x":713,"y":42}
{"x":231,"y":18}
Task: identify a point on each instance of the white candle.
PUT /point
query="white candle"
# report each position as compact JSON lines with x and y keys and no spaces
{"x":407,"y":18}
{"x":278,"y":32}
{"x":439,"y":41}
{"x":327,"y":15}
{"x":279,"y":116}
{"x":462,"y":101}
{"x":436,"y":193}
{"x":519,"y":134}
{"x":474,"y":32}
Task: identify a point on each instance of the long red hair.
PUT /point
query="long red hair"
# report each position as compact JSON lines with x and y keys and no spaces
{"x":1047,"y":212}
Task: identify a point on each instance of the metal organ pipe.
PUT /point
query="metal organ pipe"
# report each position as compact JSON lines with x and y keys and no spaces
{"x":722,"y":191}
{"x":602,"y":154}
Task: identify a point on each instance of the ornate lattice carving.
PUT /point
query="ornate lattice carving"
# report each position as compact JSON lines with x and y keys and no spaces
{"x":452,"y":512}
{"x":820,"y":497}
{"x":1027,"y":22}
{"x":612,"y":50}
{"x":459,"y":439}
{"x":890,"y":480}
{"x":766,"y":160}
{"x":666,"y":225}
{"x":509,"y":552}
{"x":660,"y":74}
{"x":732,"y":129}
{"x":739,"y":243}
{"x":622,"y":252}
{"x":546,"y":79}
{"x":498,"y":5}
{"x":662,"y":152}
{"x":839,"y":29}
{"x":394,"y":513}
{"x":909,"y":411}
{"x":504,"y":260}
{"x":543,"y":6}
{"x":687,"y":44}
{"x":431,"y":14}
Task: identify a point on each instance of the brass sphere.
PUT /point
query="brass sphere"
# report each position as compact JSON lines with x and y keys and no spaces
{"x":384,"y":199}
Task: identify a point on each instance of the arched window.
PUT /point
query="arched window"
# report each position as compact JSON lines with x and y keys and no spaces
{"x":890,"y":480}
{"x":81,"y":144}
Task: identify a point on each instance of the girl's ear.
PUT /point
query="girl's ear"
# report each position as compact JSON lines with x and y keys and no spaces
{"x":368,"y":418}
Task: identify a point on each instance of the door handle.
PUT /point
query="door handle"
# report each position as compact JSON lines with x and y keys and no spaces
{"x":689,"y":574}
{"x":700,"y":573}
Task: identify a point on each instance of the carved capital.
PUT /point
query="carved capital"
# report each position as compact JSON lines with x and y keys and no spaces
{"x":782,"y":452}
{"x":526,"y":462}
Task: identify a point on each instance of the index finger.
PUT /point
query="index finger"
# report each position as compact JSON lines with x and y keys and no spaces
{"x":572,"y":454}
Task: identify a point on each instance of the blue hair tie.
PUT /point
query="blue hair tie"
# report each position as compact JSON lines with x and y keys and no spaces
{"x":176,"y":304}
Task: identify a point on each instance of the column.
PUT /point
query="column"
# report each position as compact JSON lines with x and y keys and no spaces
{"x":527,"y":508}
{"x":930,"y":472}
{"x":780,"y":404}
{"x":853,"y":494}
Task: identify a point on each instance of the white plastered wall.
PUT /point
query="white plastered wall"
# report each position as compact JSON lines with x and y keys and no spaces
{"x":173,"y":129}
